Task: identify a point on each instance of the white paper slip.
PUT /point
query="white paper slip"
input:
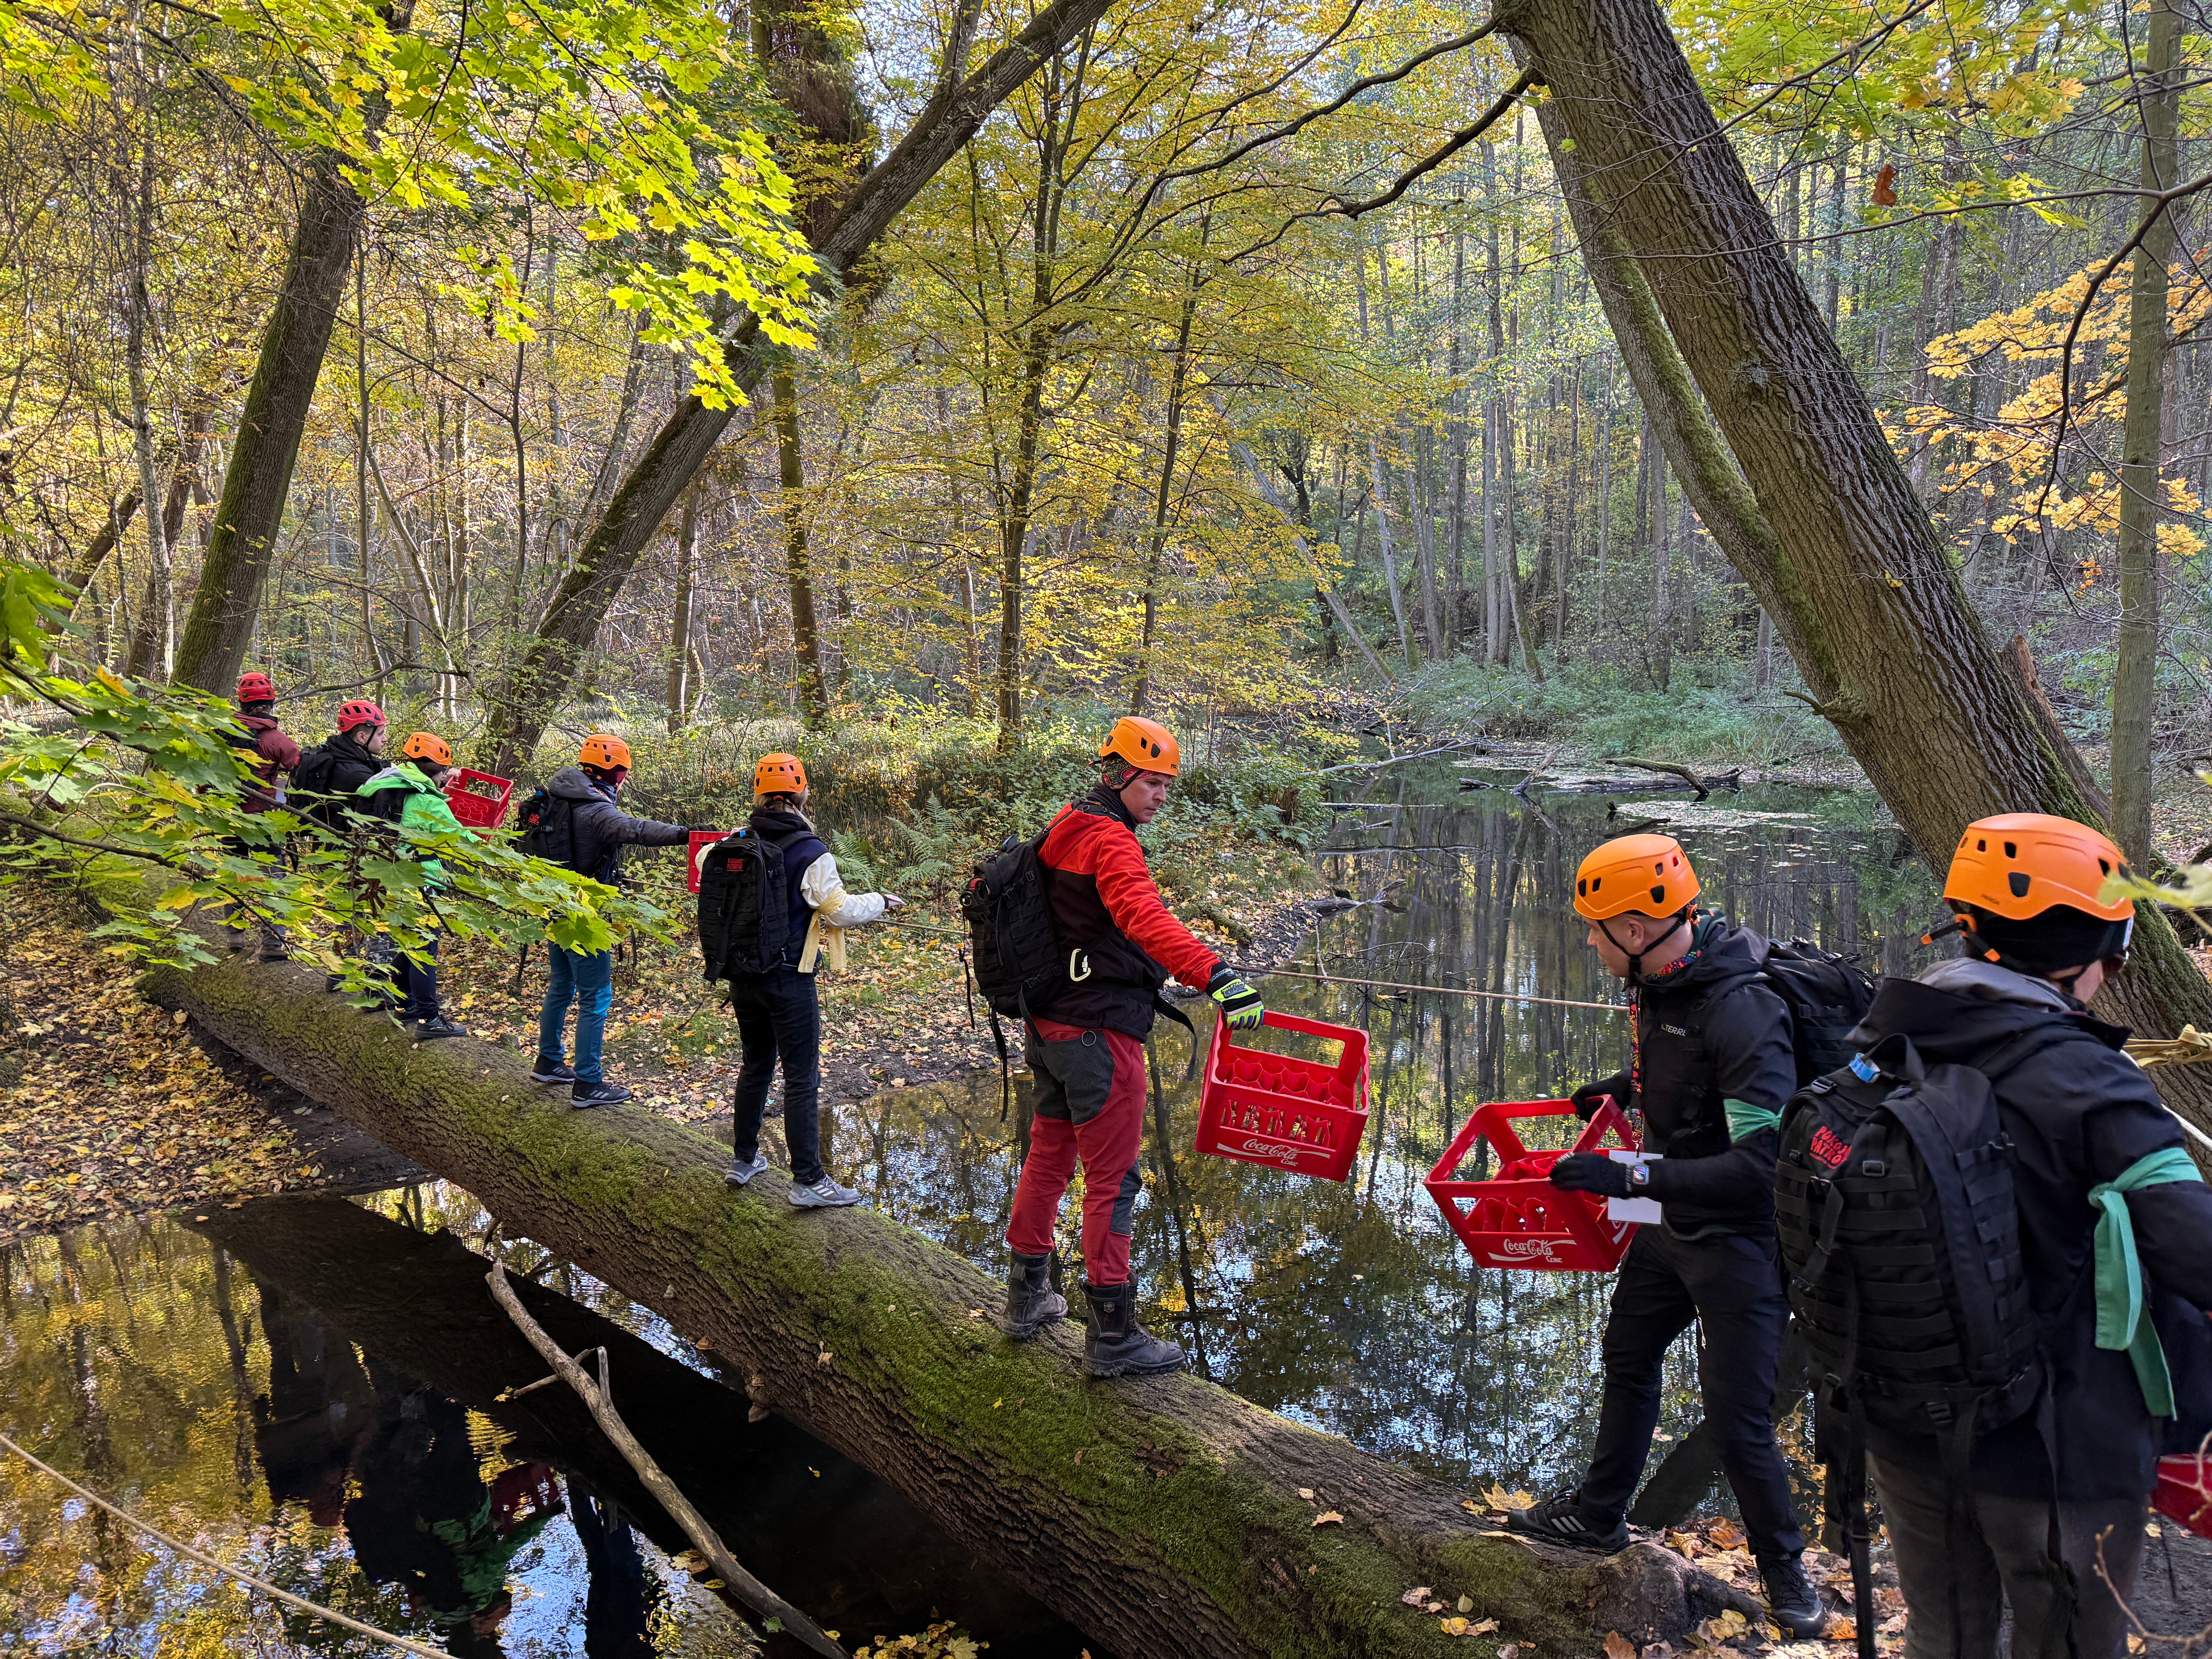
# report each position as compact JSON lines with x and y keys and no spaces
{"x":1632,"y":1209}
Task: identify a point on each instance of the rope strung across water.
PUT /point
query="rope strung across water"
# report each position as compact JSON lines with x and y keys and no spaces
{"x":1433,"y":990}
{"x":244,"y":1578}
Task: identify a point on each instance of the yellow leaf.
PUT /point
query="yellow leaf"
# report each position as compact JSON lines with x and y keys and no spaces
{"x":1482,"y":1627}
{"x":1329,"y":1518}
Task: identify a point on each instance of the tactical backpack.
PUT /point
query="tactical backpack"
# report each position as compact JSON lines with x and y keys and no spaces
{"x":311,"y":785}
{"x":1893,"y":1200}
{"x":547,"y":823}
{"x":1016,"y":955}
{"x":744,"y":914}
{"x":1826,"y":995}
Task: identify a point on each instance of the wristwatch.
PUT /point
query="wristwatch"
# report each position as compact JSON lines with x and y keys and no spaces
{"x":1639,"y":1176}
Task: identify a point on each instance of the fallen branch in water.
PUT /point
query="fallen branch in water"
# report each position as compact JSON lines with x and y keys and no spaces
{"x":756,"y":1595}
{"x":1397,"y":760}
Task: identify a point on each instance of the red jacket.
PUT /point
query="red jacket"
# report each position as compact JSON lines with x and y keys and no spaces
{"x":1108,"y":913}
{"x":273,"y":753}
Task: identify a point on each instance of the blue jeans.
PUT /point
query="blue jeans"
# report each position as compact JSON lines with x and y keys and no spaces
{"x":585,"y":978}
{"x":779,"y":1019}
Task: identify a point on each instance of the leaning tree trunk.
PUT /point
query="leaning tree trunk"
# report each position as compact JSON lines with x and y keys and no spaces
{"x":641,"y":500}
{"x":1162,"y":1515}
{"x":259,"y":475}
{"x":1835,"y":543}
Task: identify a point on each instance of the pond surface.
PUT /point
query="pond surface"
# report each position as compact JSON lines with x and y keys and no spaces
{"x":305,"y":1388}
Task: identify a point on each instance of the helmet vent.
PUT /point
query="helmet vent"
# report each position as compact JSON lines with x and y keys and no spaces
{"x":2104,"y":866}
{"x":1981,"y":846}
{"x":2017,"y":882}
{"x":2011,"y":851}
{"x":1658,"y":895}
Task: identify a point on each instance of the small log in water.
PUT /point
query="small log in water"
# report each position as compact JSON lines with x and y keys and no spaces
{"x":1162,"y":1515}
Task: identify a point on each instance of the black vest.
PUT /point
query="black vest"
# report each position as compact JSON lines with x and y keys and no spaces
{"x":1678,"y":1087}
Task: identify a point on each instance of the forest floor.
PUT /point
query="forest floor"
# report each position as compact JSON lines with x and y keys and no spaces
{"x":112,"y":1106}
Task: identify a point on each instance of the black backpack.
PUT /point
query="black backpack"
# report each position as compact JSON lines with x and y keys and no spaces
{"x":547,"y":823}
{"x":1894,"y":1201}
{"x":310,"y":794}
{"x":1019,"y":964}
{"x":744,"y":915}
{"x":1826,"y":995}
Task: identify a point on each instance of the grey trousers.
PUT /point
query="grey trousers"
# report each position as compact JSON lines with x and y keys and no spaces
{"x":2037,"y":1557}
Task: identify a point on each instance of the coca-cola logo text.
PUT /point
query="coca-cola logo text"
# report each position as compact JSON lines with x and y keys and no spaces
{"x":1533,"y":1248}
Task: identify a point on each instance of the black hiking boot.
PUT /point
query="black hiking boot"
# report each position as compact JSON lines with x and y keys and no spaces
{"x":1560,"y":1520}
{"x":558,"y":1071}
{"x":601,"y":1093}
{"x":1031,"y":1302}
{"x":1116,"y":1345}
{"x":438,"y":1026}
{"x":1796,"y":1604}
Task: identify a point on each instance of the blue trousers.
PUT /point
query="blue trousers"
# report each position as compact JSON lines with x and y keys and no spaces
{"x":780,"y":1019}
{"x":585,"y":978}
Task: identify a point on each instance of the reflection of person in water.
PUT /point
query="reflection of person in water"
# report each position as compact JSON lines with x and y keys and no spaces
{"x":619,"y":1603}
{"x":425,"y":1520}
{"x":318,"y":1412}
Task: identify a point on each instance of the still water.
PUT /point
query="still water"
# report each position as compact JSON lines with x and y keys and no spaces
{"x":312,"y":1389}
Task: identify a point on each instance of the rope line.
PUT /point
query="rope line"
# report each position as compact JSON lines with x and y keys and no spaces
{"x":1432,"y":990}
{"x":243,"y":1577}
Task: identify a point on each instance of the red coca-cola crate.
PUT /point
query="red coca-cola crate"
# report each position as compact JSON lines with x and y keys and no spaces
{"x":478,"y":799}
{"x":701,"y":840}
{"x":1260,"y":1107}
{"x":1518,"y":1219}
{"x":2184,"y":1493}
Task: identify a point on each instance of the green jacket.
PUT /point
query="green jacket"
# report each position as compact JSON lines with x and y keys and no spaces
{"x":423,"y":808}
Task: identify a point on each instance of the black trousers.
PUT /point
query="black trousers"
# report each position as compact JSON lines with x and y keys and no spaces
{"x":1732,"y":1287}
{"x":779,"y":1020}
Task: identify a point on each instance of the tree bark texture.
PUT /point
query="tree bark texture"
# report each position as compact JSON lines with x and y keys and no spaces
{"x":634,"y":511}
{"x":259,"y":475}
{"x":679,"y":620}
{"x":1809,"y":502}
{"x":805,"y":630}
{"x":1162,"y":1515}
{"x":2143,"y":451}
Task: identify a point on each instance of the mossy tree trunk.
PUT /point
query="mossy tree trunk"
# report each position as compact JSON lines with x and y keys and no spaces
{"x":1161,"y":1515}
{"x":1791,"y":470}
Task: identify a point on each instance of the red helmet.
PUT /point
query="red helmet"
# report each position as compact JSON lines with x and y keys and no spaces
{"x":255,"y":687}
{"x":361,"y":712}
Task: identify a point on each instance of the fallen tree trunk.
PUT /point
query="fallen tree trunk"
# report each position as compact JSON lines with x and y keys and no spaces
{"x":1162,"y":1515}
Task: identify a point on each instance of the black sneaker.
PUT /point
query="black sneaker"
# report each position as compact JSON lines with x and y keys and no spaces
{"x":585,"y":1095}
{"x":1789,"y":1593}
{"x":438,"y":1026}
{"x":558,"y":1071}
{"x":1560,"y":1520}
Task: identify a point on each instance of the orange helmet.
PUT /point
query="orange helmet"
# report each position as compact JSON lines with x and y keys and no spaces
{"x":428,"y":745}
{"x":779,"y":775}
{"x":1146,"y":744}
{"x":603,"y":751}
{"x":1650,"y":875}
{"x":2018,"y":865}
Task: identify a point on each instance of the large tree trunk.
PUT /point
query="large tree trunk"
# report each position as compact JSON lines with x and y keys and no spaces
{"x":2142,"y":453}
{"x":641,"y":500}
{"x":1162,"y":1515}
{"x":262,"y":455}
{"x":1820,"y":519}
{"x":799,"y":569}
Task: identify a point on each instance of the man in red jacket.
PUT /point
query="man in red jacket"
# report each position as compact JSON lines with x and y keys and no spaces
{"x":269,"y":754}
{"x":1088,"y":1058}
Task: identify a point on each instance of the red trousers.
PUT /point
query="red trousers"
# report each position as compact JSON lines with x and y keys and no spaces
{"x":1090,"y":1105}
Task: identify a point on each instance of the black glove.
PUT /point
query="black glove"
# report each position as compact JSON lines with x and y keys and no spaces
{"x":1587,"y":1098}
{"x":1591,"y":1172}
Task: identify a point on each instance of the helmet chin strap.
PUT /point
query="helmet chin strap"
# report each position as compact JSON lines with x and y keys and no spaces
{"x":1636,"y":957}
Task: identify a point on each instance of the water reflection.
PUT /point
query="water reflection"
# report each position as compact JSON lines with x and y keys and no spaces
{"x":1351,"y":1306}
{"x":312,"y":1390}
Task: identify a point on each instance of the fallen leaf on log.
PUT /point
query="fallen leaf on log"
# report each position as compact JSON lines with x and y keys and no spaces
{"x":1415,"y":1597}
{"x":1483,"y":1628}
{"x":1498,"y":1499}
{"x":1725,"y":1535}
{"x":1618,"y":1646}
{"x":1842,"y":1628}
{"x":1329,"y":1518}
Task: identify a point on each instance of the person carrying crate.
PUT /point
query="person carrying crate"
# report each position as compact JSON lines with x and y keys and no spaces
{"x":580,"y":826}
{"x":1106,"y":915}
{"x":412,"y":794}
{"x":1714,"y":1063}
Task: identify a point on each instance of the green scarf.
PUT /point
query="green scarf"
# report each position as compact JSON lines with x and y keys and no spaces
{"x":2120,"y":1322}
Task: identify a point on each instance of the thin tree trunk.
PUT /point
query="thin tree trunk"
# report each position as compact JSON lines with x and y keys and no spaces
{"x":1171,"y":455}
{"x":1389,"y":552}
{"x":2135,"y":674}
{"x":679,"y":620}
{"x":1565,"y":554}
{"x":1820,"y":519}
{"x":798,"y":570}
{"x":1493,"y":626}
{"x":1458,"y":452}
{"x":162,"y":598}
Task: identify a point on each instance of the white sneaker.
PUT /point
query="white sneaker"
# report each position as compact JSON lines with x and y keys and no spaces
{"x":741,"y":1173}
{"x":823,"y":1194}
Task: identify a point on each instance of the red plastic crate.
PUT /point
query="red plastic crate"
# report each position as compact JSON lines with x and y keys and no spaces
{"x":701,"y":840}
{"x":1260,"y":1107}
{"x":1518,"y":1219}
{"x":478,"y":799}
{"x":2185,"y":1492}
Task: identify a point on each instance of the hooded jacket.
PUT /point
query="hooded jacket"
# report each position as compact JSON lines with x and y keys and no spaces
{"x":1107,"y":915}
{"x":2078,"y":1112}
{"x":422,"y":807}
{"x":599,"y":829}
{"x":273,"y":753}
{"x":1714,"y":1067}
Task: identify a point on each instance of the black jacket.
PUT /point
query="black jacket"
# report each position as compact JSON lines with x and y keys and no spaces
{"x":330,"y":773}
{"x":2078,"y":1113}
{"x":599,"y":829}
{"x":1708,"y":1033}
